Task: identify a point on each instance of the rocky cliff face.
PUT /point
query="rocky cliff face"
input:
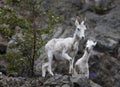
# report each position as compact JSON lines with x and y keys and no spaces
{"x":103,"y":25}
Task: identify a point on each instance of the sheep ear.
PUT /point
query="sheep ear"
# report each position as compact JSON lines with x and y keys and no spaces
{"x":76,"y":23}
{"x":82,"y":23}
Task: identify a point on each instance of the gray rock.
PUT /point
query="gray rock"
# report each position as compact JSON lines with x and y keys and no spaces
{"x":82,"y":82}
{"x":14,"y":74}
{"x":106,"y":43}
{"x":93,"y":84}
{"x":58,"y":31}
{"x":107,"y":68}
{"x":57,"y":80}
{"x":3,"y":69}
{"x":65,"y":85}
{"x":105,"y":29}
{"x":44,"y":36}
{"x":119,"y":53}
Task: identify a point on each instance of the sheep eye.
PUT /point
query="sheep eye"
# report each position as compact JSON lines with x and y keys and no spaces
{"x":78,"y":29}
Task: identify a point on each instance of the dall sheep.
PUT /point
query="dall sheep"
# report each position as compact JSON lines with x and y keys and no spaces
{"x":64,"y":48}
{"x":81,"y":65}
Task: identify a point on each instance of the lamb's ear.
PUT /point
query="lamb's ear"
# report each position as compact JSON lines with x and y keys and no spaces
{"x":95,"y":43}
{"x":76,"y":23}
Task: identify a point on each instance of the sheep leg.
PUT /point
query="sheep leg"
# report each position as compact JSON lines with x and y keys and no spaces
{"x":87,"y":72}
{"x":50,"y":58}
{"x":44,"y":68}
{"x":66,"y":56}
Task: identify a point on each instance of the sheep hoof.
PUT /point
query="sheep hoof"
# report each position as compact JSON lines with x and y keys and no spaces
{"x":52,"y":74}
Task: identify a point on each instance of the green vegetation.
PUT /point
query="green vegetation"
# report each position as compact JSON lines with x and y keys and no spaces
{"x":30,"y":16}
{"x":98,"y":9}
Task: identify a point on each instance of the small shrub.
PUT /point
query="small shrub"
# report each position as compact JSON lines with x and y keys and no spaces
{"x":16,"y":62}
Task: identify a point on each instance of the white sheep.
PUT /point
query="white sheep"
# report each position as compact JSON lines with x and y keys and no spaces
{"x":64,"y":48}
{"x":81,"y":65}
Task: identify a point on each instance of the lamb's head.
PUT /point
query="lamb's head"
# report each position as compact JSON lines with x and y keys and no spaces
{"x":80,"y":29}
{"x":89,"y":45}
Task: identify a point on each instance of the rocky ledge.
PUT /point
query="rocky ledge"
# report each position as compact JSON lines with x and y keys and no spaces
{"x":55,"y":81}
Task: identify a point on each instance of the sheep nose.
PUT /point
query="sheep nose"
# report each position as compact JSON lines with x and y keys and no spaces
{"x":83,"y":38}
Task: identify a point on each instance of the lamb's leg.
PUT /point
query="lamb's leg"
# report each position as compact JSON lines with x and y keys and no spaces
{"x":75,"y":70}
{"x":71,"y":70}
{"x":50,"y":58}
{"x":87,"y":72}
